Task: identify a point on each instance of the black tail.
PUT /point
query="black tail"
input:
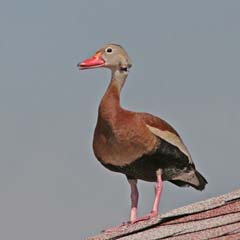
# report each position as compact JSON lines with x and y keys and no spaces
{"x":202,"y":181}
{"x":196,"y":180}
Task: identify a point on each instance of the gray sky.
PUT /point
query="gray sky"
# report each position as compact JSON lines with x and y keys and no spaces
{"x":186,"y":57}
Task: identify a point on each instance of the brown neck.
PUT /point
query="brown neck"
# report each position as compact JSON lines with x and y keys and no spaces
{"x":110,"y":103}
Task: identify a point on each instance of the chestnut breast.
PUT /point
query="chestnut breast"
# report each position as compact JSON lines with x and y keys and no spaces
{"x":123,"y":139}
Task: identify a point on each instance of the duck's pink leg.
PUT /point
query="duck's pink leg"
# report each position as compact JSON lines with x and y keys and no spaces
{"x":158,"y":192}
{"x":134,"y":203}
{"x":154,"y":212}
{"x":134,"y":199}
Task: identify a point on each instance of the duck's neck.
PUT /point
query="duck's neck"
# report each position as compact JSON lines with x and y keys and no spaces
{"x":110,"y":103}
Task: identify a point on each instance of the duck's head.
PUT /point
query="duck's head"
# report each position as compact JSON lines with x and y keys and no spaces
{"x":110,"y":56}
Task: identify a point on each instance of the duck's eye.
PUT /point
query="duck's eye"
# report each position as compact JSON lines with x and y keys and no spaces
{"x":109,"y":50}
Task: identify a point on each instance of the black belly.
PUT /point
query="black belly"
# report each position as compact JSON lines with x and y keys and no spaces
{"x":167,"y":157}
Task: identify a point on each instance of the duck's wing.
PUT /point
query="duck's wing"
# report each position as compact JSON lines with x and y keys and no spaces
{"x":163,"y":130}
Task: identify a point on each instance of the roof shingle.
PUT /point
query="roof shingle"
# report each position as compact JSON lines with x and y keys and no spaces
{"x":214,"y":218}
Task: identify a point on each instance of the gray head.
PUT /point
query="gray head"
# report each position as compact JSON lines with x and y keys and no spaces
{"x":111,"y":56}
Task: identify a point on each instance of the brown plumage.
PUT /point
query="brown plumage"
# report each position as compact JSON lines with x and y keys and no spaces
{"x":139,"y":145}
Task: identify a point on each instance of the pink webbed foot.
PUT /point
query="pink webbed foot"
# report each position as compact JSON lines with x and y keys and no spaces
{"x":116,"y":228}
{"x":152,"y":214}
{"x":120,"y":227}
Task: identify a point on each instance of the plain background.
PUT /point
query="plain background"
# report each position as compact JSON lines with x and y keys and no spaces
{"x":186,"y":57}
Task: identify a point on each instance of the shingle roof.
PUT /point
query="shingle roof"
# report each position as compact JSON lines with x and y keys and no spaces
{"x":214,"y":218}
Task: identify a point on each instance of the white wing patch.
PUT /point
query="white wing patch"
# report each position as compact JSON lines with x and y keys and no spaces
{"x":170,"y":138}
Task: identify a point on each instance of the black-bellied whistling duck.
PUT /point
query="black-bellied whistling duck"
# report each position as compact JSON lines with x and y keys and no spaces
{"x":139,"y":145}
